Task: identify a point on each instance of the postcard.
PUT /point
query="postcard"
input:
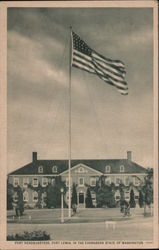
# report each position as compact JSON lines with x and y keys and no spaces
{"x":79,"y":124}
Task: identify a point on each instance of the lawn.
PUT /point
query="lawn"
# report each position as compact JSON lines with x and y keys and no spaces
{"x":87,"y":224}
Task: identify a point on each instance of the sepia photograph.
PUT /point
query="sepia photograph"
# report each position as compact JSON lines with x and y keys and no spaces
{"x":79,"y":110}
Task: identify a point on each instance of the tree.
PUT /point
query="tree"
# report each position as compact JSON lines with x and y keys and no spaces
{"x":10,"y":192}
{"x":147,"y":189}
{"x":74,"y":195}
{"x":20,"y":203}
{"x":88,"y":199}
{"x":53,"y":194}
{"x":141,"y":199}
{"x":132,"y":199}
{"x":121,"y":191}
{"x":105,"y":196}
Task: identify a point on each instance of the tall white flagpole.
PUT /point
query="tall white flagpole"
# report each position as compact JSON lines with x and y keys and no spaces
{"x":69,"y":163}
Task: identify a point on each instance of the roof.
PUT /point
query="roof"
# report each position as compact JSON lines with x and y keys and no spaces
{"x":130,"y":167}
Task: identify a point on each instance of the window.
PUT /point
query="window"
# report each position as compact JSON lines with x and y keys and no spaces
{"x":136,"y":181}
{"x":54,"y":169}
{"x":67,"y":181}
{"x":126,"y":181}
{"x":53,"y":181}
{"x":25,"y":181}
{"x":93,"y":181}
{"x":93,"y":195}
{"x":117,"y":181}
{"x":35,"y":196}
{"x":25,"y":196}
{"x":117,"y":195}
{"x":122,"y":168}
{"x":15,"y":197}
{"x":81,"y":181}
{"x":35,"y":182}
{"x":107,"y":181}
{"x":107,"y":169}
{"x":44,"y":181}
{"x":40,"y":169}
{"x":127,"y":195}
{"x":16,"y":182}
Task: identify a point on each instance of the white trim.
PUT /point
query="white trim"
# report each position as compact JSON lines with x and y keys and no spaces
{"x":107,"y":168}
{"x":26,"y":181}
{"x":16,"y":179}
{"x":33,"y":182}
{"x":34,"y":196}
{"x":27,"y":175}
{"x":83,"y":165}
{"x":122,"y":169}
{"x":27,"y":196}
{"x":90,"y":180}
{"x":80,"y":185}
{"x":40,"y":169}
{"x":124,"y":173}
{"x":46,"y":181}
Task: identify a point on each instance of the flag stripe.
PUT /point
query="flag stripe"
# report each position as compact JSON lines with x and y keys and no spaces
{"x":83,"y":60}
{"x":114,"y":70}
{"x":108,"y":72}
{"x":109,"y":61}
{"x":82,"y":66}
{"x":120,"y":89}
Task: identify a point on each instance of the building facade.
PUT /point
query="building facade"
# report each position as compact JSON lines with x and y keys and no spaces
{"x":84,"y":174}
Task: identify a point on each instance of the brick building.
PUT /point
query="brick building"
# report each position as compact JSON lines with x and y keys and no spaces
{"x":84,"y":173}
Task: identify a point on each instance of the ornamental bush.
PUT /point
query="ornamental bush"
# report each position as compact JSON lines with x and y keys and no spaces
{"x":35,"y":235}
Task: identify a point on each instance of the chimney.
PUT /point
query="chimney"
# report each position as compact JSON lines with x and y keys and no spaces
{"x":129,"y":155}
{"x":34,"y":156}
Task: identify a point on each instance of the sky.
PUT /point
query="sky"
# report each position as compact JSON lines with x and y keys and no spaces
{"x":104,"y":123}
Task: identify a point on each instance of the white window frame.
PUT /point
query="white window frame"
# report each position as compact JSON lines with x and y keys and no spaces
{"x":25,"y":181}
{"x":122,"y":169}
{"x":107,"y":169}
{"x":117,"y":184}
{"x":40,"y":169}
{"x":44,"y":181}
{"x":80,"y":185}
{"x":53,"y":181}
{"x":67,"y":181}
{"x":25,"y":196}
{"x":92,"y":179}
{"x":33,"y":184}
{"x":126,"y":178}
{"x":54,"y":169}
{"x":136,"y":181}
{"x":33,"y":196}
{"x":108,"y":181}
{"x":16,"y":179}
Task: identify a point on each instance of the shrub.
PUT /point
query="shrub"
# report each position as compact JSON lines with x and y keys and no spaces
{"x":35,"y":235}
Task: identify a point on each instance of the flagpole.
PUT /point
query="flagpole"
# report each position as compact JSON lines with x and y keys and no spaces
{"x":69,"y":163}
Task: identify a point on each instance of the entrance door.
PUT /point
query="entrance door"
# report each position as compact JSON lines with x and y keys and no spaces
{"x":81,"y":198}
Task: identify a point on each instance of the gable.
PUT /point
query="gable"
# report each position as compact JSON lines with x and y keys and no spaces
{"x":82,"y":169}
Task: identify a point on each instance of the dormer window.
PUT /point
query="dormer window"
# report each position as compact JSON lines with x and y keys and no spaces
{"x":107,"y":169}
{"x":40,"y":169}
{"x":54,"y":169}
{"x":122,"y":169}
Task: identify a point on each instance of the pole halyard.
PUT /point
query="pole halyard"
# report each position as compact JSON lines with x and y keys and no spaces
{"x":69,"y":163}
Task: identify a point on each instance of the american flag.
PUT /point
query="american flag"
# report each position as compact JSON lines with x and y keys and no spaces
{"x":111,"y":71}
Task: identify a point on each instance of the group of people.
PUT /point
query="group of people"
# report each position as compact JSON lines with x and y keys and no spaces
{"x":125,"y":208}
